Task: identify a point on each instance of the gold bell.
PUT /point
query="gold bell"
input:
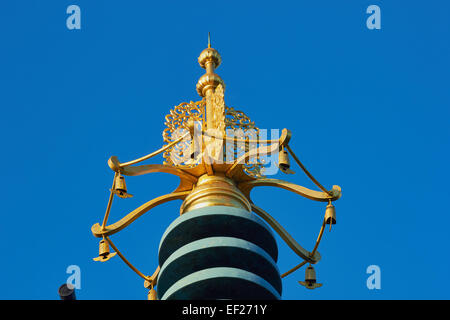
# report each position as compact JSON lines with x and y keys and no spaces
{"x":310,"y":275}
{"x":283,"y":161}
{"x":120,"y":187}
{"x":103,"y":252}
{"x":310,"y":279}
{"x":152,"y":295}
{"x":330,"y":214}
{"x":152,"y":292}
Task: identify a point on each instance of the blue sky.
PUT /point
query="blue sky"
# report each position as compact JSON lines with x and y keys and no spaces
{"x":368,"y":109}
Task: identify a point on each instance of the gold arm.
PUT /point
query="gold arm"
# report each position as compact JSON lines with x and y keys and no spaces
{"x":187,"y":180}
{"x":298,"y":249}
{"x":164,"y":148}
{"x":261,"y":151}
{"x":99,"y":232}
{"x":306,"y":171}
{"x":154,"y":277}
{"x":126,"y":261}
{"x":152,"y":280}
{"x":150,"y":168}
{"x":319,"y":238}
{"x":294,"y":269}
{"x":108,"y":207}
{"x":332,"y":195}
{"x":312,"y":252}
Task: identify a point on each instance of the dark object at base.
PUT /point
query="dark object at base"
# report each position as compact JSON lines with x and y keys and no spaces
{"x":65,"y":293}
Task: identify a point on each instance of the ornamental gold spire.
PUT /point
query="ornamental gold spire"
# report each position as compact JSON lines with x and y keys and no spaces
{"x":210,"y":82}
{"x":220,"y":156}
{"x":209,"y":60}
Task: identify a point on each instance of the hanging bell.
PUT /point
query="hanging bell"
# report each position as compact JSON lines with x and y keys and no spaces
{"x":310,"y":275}
{"x":283,"y":161}
{"x":330,"y":214}
{"x":152,"y":294}
{"x":103,"y":252}
{"x":310,"y":279}
{"x":120,"y":187}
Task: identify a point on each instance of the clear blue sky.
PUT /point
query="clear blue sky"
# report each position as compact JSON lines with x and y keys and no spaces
{"x":369,"y":111}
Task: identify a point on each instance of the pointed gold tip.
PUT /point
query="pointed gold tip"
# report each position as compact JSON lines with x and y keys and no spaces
{"x":209,"y":40}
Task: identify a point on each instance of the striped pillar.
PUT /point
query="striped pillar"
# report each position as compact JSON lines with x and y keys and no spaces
{"x":218,"y":252}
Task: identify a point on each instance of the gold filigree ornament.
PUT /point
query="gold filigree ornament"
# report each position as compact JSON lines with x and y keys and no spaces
{"x":177,"y":122}
{"x":240,"y":125}
{"x":233,"y":123}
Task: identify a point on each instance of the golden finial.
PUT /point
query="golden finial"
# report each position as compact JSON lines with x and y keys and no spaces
{"x":209,"y":60}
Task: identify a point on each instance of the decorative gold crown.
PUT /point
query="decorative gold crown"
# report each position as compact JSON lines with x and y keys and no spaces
{"x":207,"y":182}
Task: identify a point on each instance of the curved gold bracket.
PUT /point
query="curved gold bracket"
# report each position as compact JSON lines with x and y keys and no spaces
{"x":136,"y":213}
{"x":298,"y":249}
{"x":152,"y":280}
{"x":150,"y":168}
{"x":247,"y":186}
{"x":260,"y":151}
{"x":128,"y":263}
{"x":294,"y":269}
{"x":117,"y":166}
{"x":300,"y":164}
{"x":186,"y":183}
